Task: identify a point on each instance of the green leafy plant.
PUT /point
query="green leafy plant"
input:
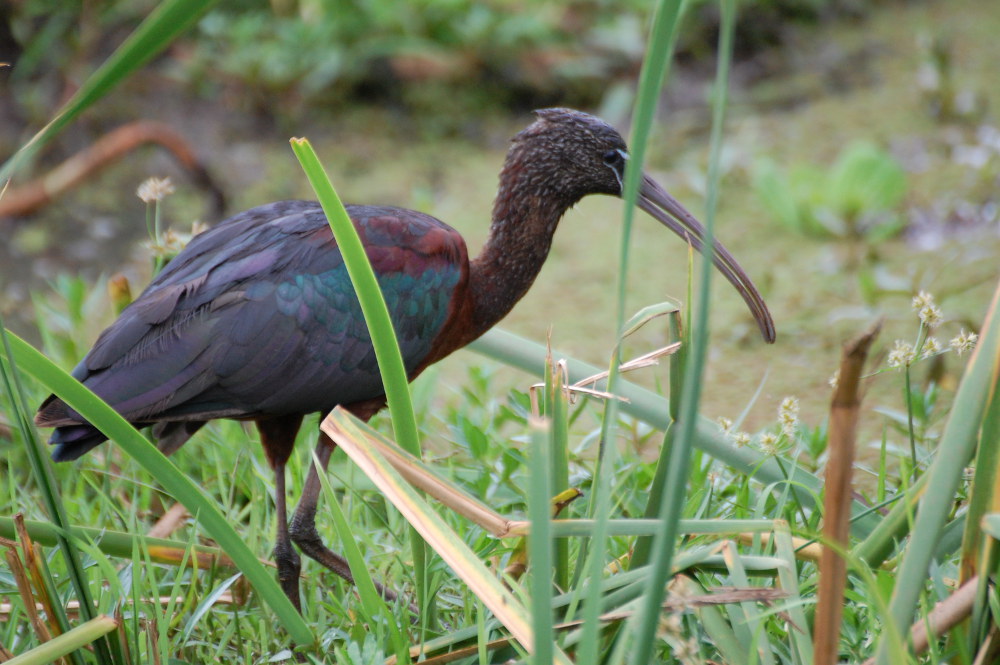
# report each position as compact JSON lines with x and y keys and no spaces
{"x":715,"y":513}
{"x":858,"y":198}
{"x":317,"y":52}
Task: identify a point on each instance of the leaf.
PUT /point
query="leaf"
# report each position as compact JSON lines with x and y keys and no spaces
{"x":353,"y":436}
{"x":991,"y":525}
{"x":116,"y":428}
{"x":959,"y":439}
{"x":390,"y":359}
{"x":864,"y":179}
{"x":66,"y":643}
{"x":170,"y":19}
{"x":775,"y":193}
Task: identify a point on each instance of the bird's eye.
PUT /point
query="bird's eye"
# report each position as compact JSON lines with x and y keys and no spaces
{"x":614,"y":158}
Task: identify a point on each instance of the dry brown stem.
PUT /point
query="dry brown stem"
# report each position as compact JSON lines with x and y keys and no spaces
{"x":171,"y":520}
{"x":945,"y":616}
{"x":31,"y":196}
{"x":837,"y":496}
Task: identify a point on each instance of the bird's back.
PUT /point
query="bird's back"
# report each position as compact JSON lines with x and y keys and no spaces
{"x":257,"y":317}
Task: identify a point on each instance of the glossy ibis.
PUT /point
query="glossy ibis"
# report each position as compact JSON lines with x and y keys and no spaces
{"x":257,"y":320}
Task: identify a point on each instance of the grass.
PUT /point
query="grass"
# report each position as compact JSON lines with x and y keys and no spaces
{"x":736,"y":515}
{"x":108,"y":489}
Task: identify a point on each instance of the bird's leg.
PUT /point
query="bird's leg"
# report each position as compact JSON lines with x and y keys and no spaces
{"x":277,"y":435}
{"x":285,"y":557}
{"x":303,"y":526}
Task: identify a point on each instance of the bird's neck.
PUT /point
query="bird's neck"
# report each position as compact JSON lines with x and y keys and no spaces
{"x":525,"y":216}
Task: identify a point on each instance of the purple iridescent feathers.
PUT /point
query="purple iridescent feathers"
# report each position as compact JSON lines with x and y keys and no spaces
{"x":258,"y":317}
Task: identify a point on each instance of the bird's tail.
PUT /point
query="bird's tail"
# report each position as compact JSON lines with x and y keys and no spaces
{"x":71,"y":438}
{"x":72,"y":441}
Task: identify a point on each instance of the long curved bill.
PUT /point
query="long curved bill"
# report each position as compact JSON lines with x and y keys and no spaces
{"x":655,"y":201}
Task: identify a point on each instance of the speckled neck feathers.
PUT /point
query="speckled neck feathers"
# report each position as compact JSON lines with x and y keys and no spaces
{"x":526,"y":212}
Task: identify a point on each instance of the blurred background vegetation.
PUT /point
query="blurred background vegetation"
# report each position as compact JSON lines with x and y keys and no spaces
{"x":861,"y":166}
{"x":861,"y":161}
{"x":284,"y":57}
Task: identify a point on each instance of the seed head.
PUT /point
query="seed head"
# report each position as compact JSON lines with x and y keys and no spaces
{"x":741,"y":439}
{"x":930,"y":316}
{"x":964,"y":341}
{"x":672,"y":624}
{"x":725,"y":424}
{"x":686,"y":651}
{"x":154,"y":189}
{"x":788,"y":415}
{"x":834,"y":379}
{"x":902,"y":355}
{"x":921,"y":300}
{"x":932,"y":347}
{"x":789,"y":408}
{"x":768,"y":443}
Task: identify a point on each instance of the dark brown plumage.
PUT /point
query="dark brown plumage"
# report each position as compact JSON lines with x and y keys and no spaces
{"x":256,"y":319}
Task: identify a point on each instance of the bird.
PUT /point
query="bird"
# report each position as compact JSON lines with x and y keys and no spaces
{"x":256,"y":319}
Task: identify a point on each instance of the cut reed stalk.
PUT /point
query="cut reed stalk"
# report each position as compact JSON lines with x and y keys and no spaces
{"x":844,"y":411}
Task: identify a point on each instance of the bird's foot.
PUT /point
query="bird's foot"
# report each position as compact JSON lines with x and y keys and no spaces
{"x":289,"y":567}
{"x":308,"y":540}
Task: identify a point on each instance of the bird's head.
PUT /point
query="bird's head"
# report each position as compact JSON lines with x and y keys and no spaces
{"x":568,"y":154}
{"x":588,"y":154}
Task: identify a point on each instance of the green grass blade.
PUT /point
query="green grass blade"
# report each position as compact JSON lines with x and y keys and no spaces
{"x":651,"y":77}
{"x":351,"y":434}
{"x":596,"y":548}
{"x":373,"y":603}
{"x":649,"y":407}
{"x":205,"y":605}
{"x":746,"y":615}
{"x":119,"y":544}
{"x":645,"y":623}
{"x":116,"y":428}
{"x":56,"y":648}
{"x":655,"y":65}
{"x":582,"y":528}
{"x":977,"y":540}
{"x":721,"y":633}
{"x":170,"y":19}
{"x":883,"y":539}
{"x":643,"y":546}
{"x":383,"y":336}
{"x":983,"y":487}
{"x":958,"y":441}
{"x":390,"y":358}
{"x":558,"y":463}
{"x":42,"y":471}
{"x":788,"y":576}
{"x":540,"y":545}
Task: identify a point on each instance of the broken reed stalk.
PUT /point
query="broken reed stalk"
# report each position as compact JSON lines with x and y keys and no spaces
{"x":674,"y":604}
{"x":32,"y":558}
{"x":947,"y":614}
{"x":20,"y":576}
{"x":72,"y":607}
{"x":837,"y":497}
{"x":169,"y":522}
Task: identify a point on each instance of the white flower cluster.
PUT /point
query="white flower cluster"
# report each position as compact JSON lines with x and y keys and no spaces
{"x":767,"y":442}
{"x":904,"y":354}
{"x":154,"y":189}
